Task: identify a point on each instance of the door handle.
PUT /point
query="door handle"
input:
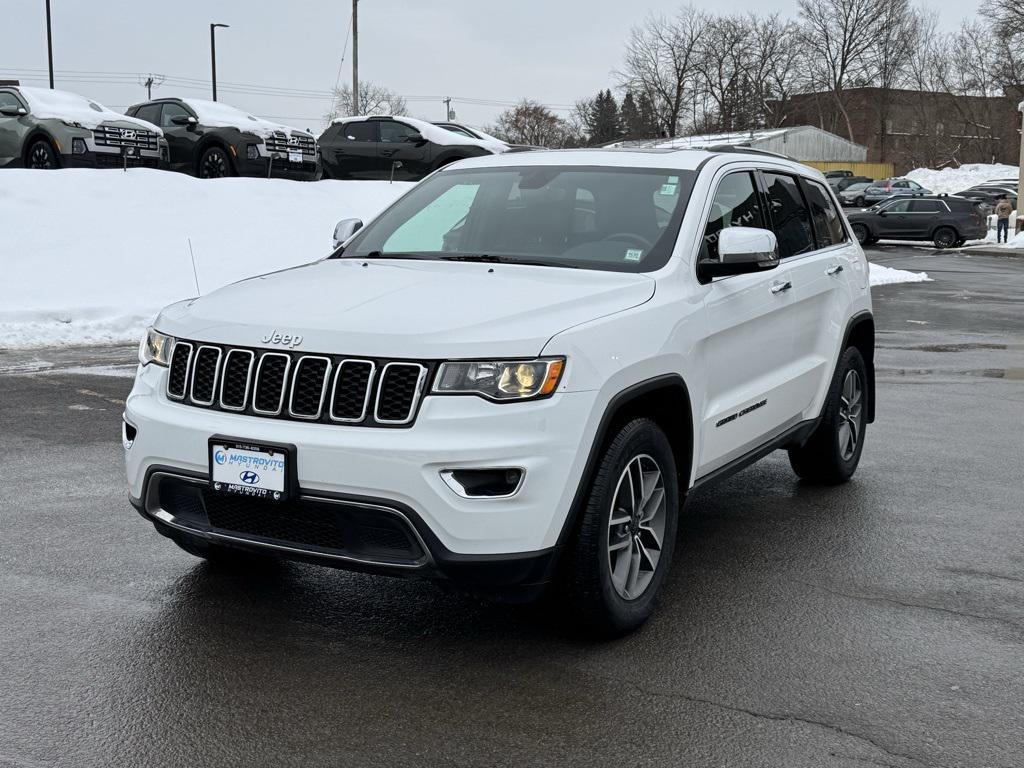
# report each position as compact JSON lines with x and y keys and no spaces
{"x":835,"y":269}
{"x":780,"y":287}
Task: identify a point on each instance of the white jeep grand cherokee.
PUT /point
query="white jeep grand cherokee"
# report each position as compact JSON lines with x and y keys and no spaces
{"x":511,"y":377}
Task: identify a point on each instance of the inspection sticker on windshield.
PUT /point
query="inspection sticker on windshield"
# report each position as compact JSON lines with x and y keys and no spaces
{"x":634,"y":254}
{"x":250,"y":470}
{"x":668,"y":189}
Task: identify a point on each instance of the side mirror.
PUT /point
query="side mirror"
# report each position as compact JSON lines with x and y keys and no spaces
{"x":187,"y":120}
{"x":881,"y":212}
{"x":741,"y":250}
{"x":345,"y":229}
{"x":13,"y":111}
{"x":415,"y":138}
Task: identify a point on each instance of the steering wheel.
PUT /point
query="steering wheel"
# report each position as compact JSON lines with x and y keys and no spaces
{"x":631,"y":238}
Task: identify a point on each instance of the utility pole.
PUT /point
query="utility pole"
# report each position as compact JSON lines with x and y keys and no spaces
{"x":448,"y":108}
{"x":213,"y":56}
{"x":355,"y":57}
{"x":1020,"y":177}
{"x":149,"y":88}
{"x":49,"y":42}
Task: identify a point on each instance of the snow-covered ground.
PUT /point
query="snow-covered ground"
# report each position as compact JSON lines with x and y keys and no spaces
{"x":90,"y":256}
{"x":952,"y":180}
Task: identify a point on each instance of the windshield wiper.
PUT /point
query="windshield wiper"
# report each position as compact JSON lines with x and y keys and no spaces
{"x":394,"y":255}
{"x":487,"y":258}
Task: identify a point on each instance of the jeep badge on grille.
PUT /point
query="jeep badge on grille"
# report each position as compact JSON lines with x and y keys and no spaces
{"x":284,"y":339}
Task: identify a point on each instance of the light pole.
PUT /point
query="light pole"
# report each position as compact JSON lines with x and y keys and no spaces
{"x":213,"y":56}
{"x":355,"y":57}
{"x":49,"y":43}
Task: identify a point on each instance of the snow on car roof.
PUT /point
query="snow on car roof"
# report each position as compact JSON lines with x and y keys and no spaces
{"x":429,"y":131}
{"x":216,"y":114}
{"x":63,"y":105}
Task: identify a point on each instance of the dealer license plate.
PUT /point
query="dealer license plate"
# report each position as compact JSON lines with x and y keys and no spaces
{"x":294,"y":157}
{"x":249,"y":470}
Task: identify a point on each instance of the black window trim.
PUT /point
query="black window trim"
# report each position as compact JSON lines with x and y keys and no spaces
{"x":804,"y":181}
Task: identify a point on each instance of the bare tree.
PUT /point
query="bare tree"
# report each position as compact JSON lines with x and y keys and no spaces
{"x":1006,"y":20}
{"x":374,"y":99}
{"x":778,"y":69}
{"x":532,"y":123}
{"x":725,"y":66}
{"x":660,"y":63}
{"x":888,"y":58}
{"x":839,"y":35}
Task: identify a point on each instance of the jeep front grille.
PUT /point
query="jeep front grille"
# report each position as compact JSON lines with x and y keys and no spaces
{"x":291,"y":385}
{"x":297,"y":142}
{"x":110,"y":136}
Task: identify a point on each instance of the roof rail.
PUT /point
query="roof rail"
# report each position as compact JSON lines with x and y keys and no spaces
{"x":741,"y":150}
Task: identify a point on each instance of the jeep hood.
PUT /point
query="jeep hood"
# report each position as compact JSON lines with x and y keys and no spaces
{"x":407,"y":309}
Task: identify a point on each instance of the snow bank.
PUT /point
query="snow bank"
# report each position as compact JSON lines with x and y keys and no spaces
{"x":882,"y":275}
{"x":64,"y":105}
{"x":91,"y":256}
{"x":952,"y":180}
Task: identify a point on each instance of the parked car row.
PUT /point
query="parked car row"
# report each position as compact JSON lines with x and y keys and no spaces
{"x":42,"y":128}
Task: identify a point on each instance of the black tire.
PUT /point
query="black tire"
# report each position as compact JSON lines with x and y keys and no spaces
{"x":42,"y":155}
{"x":826,"y":458}
{"x":862,"y":233}
{"x":945,"y":237}
{"x":860,"y":202}
{"x":214,"y":163}
{"x":586,"y":589}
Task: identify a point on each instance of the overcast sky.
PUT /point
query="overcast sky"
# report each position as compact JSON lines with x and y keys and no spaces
{"x":555,"y":51}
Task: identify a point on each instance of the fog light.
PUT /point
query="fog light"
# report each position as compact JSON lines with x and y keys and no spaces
{"x":128,"y":433}
{"x":78,"y":147}
{"x":252,"y":152}
{"x":491,"y":483}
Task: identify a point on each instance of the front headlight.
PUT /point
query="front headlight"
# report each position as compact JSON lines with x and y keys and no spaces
{"x":156,"y":348}
{"x":501,"y":380}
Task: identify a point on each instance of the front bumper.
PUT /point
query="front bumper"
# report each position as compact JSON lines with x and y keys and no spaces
{"x":112,"y":158}
{"x":395,"y":469}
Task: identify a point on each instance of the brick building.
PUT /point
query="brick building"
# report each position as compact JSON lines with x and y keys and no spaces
{"x":913,"y":129}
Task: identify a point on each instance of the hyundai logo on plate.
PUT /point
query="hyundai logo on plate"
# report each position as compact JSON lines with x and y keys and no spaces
{"x":249,"y":477}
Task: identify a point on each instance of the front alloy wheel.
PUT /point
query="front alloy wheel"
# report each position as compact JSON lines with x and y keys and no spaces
{"x":861,"y":233}
{"x":42,"y":156}
{"x":214,"y":164}
{"x":636,"y":527}
{"x":613,"y":570}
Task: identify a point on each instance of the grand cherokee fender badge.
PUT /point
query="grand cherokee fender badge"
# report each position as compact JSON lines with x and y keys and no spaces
{"x":744,"y":412}
{"x":284,"y":339}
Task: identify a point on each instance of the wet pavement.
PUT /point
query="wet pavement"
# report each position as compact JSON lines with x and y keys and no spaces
{"x":880,"y":623}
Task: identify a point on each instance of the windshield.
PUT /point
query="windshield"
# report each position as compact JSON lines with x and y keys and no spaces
{"x":614,"y":219}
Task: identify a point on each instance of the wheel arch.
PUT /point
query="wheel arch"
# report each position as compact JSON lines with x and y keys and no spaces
{"x":34,"y":135}
{"x":665,"y":400}
{"x":214,"y":141}
{"x":860,"y":333}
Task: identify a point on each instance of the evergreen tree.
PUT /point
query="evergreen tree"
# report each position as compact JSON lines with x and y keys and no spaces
{"x":629,"y":116}
{"x":603,"y":121}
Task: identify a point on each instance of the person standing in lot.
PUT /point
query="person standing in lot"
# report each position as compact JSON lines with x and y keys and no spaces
{"x":1003,"y":211}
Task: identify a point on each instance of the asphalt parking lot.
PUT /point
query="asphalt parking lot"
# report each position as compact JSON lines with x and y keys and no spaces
{"x":879,"y":623}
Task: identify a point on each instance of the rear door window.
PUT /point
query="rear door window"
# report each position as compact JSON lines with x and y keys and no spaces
{"x":926,"y":206}
{"x":828,"y":225}
{"x":362,"y":131}
{"x":790,"y":218}
{"x":150,"y":113}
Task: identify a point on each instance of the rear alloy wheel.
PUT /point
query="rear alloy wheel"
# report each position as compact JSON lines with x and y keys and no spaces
{"x":613,"y":572}
{"x":831,"y":454}
{"x":214,"y":164}
{"x":42,"y":155}
{"x":945,"y":237}
{"x":862,"y":234}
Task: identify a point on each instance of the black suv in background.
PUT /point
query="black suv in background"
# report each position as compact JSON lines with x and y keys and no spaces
{"x":397,"y":148}
{"x":946,"y":221}
{"x":210,"y":139}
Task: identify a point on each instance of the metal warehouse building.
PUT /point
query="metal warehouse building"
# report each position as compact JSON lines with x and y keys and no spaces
{"x":805,"y":143}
